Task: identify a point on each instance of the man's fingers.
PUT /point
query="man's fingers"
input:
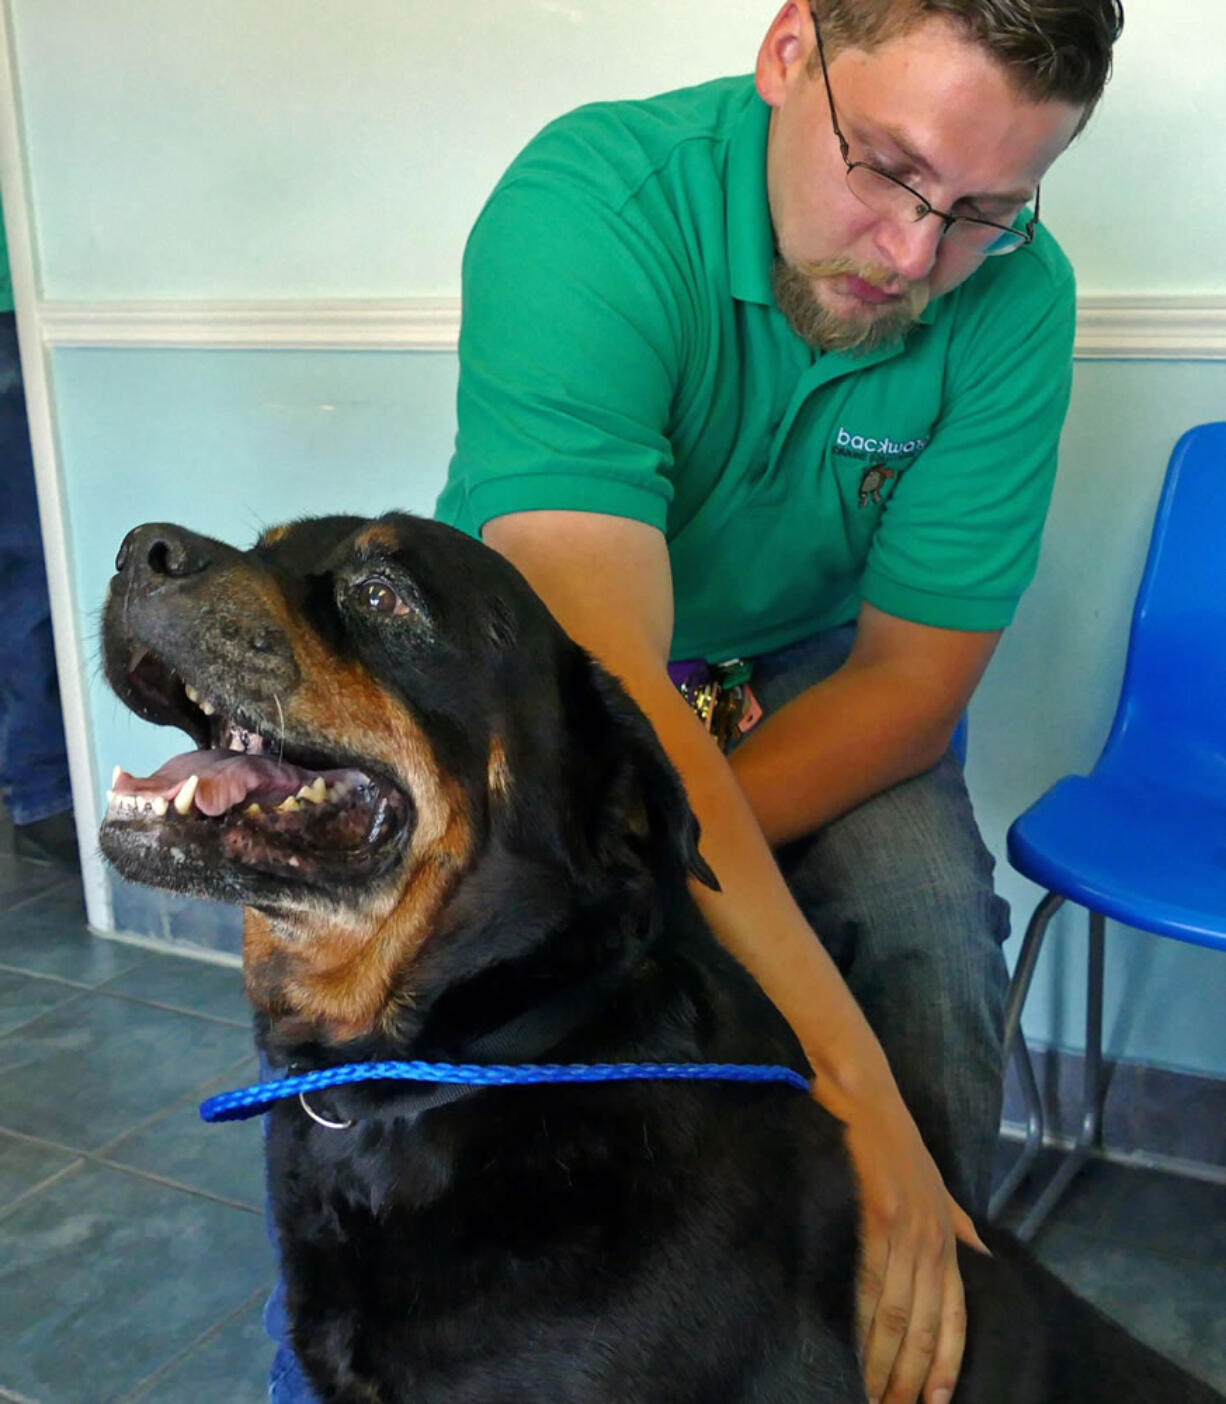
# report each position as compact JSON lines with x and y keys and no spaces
{"x":870,"y":1284}
{"x":890,"y":1320}
{"x":964,"y":1227}
{"x":947,"y":1361}
{"x":922,"y":1338}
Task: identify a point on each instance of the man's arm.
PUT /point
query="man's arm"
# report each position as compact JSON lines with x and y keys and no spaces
{"x":888,"y":713}
{"x":608,"y":582}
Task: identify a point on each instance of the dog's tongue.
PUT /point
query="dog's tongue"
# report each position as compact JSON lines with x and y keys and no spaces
{"x":223,"y":779}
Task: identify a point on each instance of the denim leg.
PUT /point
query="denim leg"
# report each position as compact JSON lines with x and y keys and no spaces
{"x":33,"y":754}
{"x":287,"y":1382}
{"x":900,"y":892}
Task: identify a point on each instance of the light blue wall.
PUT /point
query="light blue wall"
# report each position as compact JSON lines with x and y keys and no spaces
{"x":229,"y":442}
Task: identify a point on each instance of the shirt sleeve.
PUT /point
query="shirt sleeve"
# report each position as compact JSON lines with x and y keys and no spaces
{"x":568,"y":348}
{"x":959,"y":540}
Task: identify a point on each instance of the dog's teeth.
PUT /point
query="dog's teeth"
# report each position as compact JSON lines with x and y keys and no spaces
{"x":115,"y":774}
{"x":160,"y":806}
{"x":192,"y":694}
{"x":207,"y":708}
{"x":288,"y":806}
{"x":253,"y":808}
{"x":187,"y":793}
{"x":314,"y":793}
{"x":294,"y":862}
{"x":340,"y":789}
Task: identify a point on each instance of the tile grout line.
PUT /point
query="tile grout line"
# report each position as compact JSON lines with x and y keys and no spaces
{"x":58,"y":1006}
{"x":41,"y":893}
{"x":154,"y":1178}
{"x":184,"y":1099}
{"x":117,"y":994}
{"x":142,"y":1387}
{"x":83,"y":1158}
{"x":29,"y":1193}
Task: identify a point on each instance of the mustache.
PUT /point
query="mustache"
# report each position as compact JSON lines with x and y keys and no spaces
{"x":914,"y":295}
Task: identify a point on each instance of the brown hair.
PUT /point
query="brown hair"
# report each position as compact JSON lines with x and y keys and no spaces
{"x":1054,"y":49}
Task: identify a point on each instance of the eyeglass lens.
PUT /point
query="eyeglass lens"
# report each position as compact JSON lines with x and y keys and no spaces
{"x":885,"y":196}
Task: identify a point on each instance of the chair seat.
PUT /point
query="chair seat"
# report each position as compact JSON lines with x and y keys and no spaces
{"x":1149,"y":856}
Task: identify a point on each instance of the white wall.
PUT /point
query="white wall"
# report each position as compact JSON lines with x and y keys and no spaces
{"x":340,"y":148}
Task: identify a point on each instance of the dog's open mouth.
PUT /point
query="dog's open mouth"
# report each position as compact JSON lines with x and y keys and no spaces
{"x":249,"y":794}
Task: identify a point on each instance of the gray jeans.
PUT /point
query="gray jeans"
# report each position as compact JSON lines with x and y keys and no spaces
{"x":900,"y":892}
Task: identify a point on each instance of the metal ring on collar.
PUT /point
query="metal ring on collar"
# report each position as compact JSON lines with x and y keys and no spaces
{"x":322,"y":1120}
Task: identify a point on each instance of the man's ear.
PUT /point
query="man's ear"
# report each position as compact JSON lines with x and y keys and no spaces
{"x":781,"y":50}
{"x":626,"y":788}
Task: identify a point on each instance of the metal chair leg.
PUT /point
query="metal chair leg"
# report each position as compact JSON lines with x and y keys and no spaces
{"x":1034,"y":1132}
{"x":1090,"y":1132}
{"x":1015,"y":1044}
{"x":1028,"y":958}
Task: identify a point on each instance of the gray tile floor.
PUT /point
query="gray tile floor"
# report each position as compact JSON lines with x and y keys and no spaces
{"x":133,"y":1260}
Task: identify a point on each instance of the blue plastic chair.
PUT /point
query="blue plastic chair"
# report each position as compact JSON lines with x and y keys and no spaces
{"x":1142,"y":838}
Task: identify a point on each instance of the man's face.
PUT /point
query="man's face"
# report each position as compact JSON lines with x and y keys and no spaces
{"x":928,"y":107}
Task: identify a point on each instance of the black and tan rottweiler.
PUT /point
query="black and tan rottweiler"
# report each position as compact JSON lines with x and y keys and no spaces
{"x":457,"y":839}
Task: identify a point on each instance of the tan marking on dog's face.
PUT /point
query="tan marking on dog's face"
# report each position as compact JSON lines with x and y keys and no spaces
{"x":273,"y":535}
{"x":339,"y":977}
{"x":338,"y":970}
{"x":379,"y":537}
{"x":498,"y":772}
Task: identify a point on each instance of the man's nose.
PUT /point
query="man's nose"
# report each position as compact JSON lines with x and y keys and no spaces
{"x":909,"y":247}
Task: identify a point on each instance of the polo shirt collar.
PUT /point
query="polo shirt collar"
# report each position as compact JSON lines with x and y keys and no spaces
{"x":751,"y":239}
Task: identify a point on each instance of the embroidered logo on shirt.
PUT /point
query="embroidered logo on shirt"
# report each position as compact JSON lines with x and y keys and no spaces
{"x":872,"y":482}
{"x":860,"y":445}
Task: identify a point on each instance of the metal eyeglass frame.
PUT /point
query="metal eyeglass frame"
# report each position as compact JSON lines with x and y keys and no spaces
{"x":923,"y":207}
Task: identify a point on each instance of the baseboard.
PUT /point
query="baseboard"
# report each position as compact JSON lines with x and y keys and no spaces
{"x":1168,"y":1118}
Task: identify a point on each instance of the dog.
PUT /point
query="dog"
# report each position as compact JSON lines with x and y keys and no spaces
{"x":457,"y":839}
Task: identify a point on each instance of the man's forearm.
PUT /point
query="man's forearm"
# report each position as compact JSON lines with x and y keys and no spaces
{"x":757,"y":919}
{"x":839,"y":743}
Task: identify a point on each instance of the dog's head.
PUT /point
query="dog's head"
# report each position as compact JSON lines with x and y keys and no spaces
{"x":397,"y":746}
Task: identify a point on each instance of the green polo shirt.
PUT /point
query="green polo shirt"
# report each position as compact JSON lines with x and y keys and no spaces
{"x":620,"y":352}
{"x":6,"y":281}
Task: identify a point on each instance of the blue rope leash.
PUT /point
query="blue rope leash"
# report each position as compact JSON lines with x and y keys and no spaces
{"x":252,"y":1101}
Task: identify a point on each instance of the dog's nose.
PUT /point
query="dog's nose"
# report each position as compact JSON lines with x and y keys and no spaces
{"x":162,"y":549}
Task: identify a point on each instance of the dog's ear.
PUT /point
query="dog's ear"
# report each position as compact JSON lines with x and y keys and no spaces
{"x":625,"y":791}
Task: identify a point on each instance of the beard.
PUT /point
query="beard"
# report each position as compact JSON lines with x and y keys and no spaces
{"x":824,"y":330}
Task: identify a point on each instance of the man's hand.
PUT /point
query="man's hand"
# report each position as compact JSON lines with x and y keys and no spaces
{"x":910,"y":1308}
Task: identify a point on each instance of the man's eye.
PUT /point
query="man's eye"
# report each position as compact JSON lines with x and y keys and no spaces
{"x":379,"y":597}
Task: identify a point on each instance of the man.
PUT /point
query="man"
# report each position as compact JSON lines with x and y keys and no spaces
{"x":743,"y":376}
{"x":33,"y":754}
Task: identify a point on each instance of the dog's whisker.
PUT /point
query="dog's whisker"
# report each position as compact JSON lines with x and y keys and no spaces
{"x":281,"y":723}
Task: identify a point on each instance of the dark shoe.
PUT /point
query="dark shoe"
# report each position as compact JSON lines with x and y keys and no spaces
{"x":50,"y":840}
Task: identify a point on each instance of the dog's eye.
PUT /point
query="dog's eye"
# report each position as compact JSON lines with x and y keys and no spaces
{"x":379,"y":597}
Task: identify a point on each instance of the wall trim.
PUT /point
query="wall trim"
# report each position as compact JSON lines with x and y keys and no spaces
{"x":351,"y":324}
{"x":1123,"y":328}
{"x":1109,"y":326}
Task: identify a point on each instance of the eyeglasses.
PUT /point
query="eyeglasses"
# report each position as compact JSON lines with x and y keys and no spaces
{"x":890,"y":197}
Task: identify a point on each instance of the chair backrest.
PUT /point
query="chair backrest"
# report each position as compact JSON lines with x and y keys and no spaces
{"x":1172,"y":707}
